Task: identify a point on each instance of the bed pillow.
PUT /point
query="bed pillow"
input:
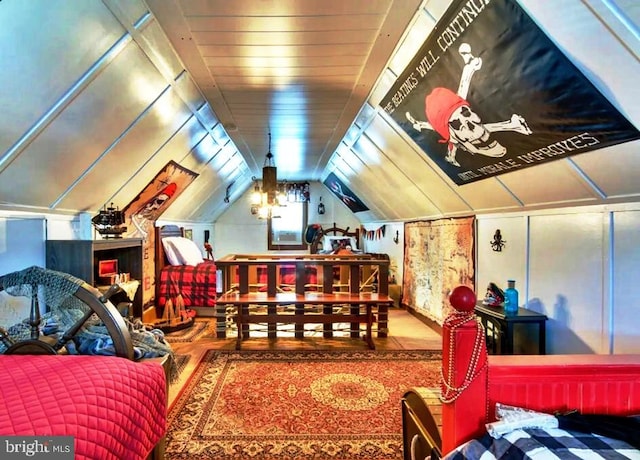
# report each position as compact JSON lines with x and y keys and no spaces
{"x":330,"y":241}
{"x":187,"y":252}
{"x":172,"y":257}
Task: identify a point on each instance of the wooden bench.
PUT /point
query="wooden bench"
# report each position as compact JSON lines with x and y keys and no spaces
{"x":363,"y":309}
{"x":309,"y":306}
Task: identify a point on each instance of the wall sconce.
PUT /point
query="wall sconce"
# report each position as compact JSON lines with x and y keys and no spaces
{"x":397,"y":237}
{"x":321,"y":207}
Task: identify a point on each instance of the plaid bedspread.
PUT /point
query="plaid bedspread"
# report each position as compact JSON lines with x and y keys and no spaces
{"x":550,"y":443}
{"x":287,"y":274}
{"x":196,"y":285}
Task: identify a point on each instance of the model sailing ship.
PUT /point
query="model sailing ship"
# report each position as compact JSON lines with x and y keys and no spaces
{"x":175,"y":316}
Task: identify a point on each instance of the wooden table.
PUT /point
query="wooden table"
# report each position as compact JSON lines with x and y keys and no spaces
{"x":363,"y":308}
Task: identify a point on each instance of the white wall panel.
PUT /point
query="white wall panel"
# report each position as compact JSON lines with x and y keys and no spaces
{"x":387,"y":245}
{"x":383,"y":176}
{"x":363,"y":182}
{"x":598,"y":50}
{"x":413,"y":165}
{"x":128,"y":11}
{"x":416,"y":35}
{"x":155,"y":44}
{"x":488,"y":195}
{"x":510,"y":263}
{"x":189,"y":92}
{"x":566,"y":280}
{"x":153,"y":162}
{"x":21,"y":243}
{"x":614,"y":170}
{"x":626,"y":289}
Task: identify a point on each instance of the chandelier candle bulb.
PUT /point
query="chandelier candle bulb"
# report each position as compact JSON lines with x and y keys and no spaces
{"x":511,"y":298}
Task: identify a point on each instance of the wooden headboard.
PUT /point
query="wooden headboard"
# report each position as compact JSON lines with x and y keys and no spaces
{"x":332,"y":231}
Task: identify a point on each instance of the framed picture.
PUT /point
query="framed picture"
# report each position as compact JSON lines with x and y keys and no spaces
{"x":188,"y":233}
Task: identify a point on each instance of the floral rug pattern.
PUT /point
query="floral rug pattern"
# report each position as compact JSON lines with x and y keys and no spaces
{"x":297,"y":404}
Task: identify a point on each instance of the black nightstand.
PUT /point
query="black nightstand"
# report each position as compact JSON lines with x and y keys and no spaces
{"x":513,"y":333}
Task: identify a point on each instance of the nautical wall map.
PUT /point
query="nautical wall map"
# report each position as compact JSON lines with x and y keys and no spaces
{"x":438,"y":256}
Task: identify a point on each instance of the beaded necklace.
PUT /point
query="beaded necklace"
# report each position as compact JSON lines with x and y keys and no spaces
{"x":449,"y":392}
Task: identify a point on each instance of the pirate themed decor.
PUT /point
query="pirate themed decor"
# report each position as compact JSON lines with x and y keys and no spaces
{"x":489,"y":93}
{"x":344,"y":194}
{"x":494,"y":296}
{"x":149,"y":211}
{"x":108,"y":222}
{"x":147,"y":207}
{"x":311,"y":232}
{"x":498,"y":243}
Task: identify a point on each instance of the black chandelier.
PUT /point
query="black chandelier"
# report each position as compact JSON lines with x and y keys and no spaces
{"x":267,"y":201}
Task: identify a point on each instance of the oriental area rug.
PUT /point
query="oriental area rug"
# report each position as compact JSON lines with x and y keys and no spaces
{"x":297,"y":404}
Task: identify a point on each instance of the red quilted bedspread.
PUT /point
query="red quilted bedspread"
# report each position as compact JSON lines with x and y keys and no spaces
{"x":114,"y":408}
{"x":196,"y":285}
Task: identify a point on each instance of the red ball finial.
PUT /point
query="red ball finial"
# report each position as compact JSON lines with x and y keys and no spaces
{"x":463,"y":298}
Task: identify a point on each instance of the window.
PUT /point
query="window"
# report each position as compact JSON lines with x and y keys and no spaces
{"x":286,"y":232}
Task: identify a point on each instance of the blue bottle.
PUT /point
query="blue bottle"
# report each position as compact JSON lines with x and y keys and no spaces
{"x":511,"y":298}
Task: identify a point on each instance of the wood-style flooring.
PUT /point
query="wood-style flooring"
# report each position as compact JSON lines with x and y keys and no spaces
{"x":406,"y":332}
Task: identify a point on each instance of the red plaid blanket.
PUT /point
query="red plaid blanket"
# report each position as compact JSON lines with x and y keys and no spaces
{"x":288,"y":274}
{"x":196,"y":285}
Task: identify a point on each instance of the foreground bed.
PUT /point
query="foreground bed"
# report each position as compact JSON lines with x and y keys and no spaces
{"x":112,"y":407}
{"x":106,"y":407}
{"x":473,"y":383}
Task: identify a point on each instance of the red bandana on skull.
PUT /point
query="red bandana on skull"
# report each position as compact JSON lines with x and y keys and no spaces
{"x":439,"y":105}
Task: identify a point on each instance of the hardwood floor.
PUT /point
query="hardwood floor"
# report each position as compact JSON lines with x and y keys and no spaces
{"x":406,"y":332}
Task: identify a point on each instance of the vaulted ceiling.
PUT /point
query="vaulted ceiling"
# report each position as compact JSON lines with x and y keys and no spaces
{"x":97,"y":96}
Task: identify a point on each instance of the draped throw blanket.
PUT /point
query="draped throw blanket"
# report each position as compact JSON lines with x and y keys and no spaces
{"x":190,"y":286}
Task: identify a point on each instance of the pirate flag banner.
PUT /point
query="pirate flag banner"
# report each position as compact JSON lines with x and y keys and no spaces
{"x":146,"y":208}
{"x":344,"y":194}
{"x":489,"y":93}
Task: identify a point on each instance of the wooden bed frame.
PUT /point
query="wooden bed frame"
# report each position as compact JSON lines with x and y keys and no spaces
{"x":602,"y":384}
{"x":161,"y":262}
